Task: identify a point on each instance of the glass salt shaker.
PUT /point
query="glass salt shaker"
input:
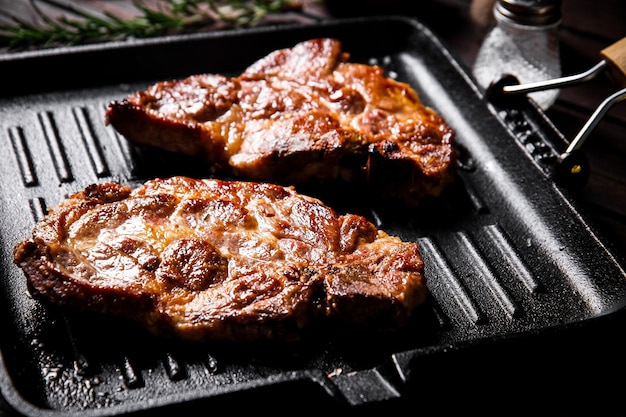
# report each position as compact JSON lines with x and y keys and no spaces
{"x":523,"y":43}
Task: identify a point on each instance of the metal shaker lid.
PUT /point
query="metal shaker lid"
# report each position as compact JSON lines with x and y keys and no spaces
{"x":529,"y":12}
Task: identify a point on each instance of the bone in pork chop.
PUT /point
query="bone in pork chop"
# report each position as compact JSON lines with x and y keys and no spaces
{"x":297,"y":116}
{"x":220,"y":260}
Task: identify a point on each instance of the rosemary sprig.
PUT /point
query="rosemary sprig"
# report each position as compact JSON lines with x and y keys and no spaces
{"x":165,"y":18}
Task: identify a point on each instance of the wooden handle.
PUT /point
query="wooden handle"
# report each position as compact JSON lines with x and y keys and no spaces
{"x":615,"y":56}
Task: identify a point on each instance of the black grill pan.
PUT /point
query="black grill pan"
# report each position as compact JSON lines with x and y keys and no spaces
{"x":513,"y":264}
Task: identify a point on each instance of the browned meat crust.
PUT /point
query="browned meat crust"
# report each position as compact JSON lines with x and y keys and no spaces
{"x":212,"y":259}
{"x":299,"y":115}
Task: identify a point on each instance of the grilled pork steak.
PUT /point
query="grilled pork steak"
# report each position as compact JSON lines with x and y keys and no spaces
{"x":221,"y":260}
{"x":296,"y":116}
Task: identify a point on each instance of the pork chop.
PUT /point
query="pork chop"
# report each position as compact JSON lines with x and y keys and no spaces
{"x":220,"y":260}
{"x":297,"y":116}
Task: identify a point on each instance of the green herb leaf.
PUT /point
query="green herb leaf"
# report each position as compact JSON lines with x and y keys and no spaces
{"x":164,"y":18}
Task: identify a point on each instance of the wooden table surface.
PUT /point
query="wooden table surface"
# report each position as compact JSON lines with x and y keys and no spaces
{"x":584,"y":31}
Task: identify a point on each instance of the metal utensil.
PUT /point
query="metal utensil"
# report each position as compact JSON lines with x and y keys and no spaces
{"x":572,"y":167}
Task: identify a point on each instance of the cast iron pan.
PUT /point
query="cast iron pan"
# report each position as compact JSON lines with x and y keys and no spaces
{"x":510,"y":257}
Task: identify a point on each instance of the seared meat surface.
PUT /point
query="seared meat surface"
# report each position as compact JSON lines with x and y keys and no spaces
{"x":299,"y":115}
{"x":221,"y":260}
